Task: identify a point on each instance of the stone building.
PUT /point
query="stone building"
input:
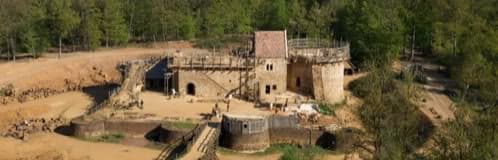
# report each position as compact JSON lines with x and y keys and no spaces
{"x":273,"y":67}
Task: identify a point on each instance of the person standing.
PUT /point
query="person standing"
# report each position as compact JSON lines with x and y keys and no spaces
{"x":229,"y":98}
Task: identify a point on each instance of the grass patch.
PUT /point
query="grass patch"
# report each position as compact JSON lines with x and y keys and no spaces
{"x":183,"y":125}
{"x":329,"y":109}
{"x":289,"y":152}
{"x":107,"y":138}
{"x":292,"y":152}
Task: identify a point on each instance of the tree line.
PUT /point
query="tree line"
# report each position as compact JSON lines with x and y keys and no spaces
{"x":461,"y":34}
{"x":33,"y":26}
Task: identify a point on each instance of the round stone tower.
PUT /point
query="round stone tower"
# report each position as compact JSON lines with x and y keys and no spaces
{"x":321,"y":64}
{"x":245,"y":133}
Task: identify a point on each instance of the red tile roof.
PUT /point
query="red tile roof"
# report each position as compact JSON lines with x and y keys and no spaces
{"x":270,"y":44}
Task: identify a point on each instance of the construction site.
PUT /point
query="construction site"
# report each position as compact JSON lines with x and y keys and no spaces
{"x":180,"y":102}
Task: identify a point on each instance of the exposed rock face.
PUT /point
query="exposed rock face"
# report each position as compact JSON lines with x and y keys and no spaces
{"x":24,"y":81}
{"x":23,"y":129}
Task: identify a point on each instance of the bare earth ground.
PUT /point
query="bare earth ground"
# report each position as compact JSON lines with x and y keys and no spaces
{"x":160,"y":105}
{"x":44,"y":146}
{"x":79,"y":69}
{"x":84,"y":69}
{"x":67,"y":105}
{"x":47,"y":146}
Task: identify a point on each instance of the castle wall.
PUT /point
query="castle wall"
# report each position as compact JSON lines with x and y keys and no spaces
{"x":245,"y":133}
{"x":157,"y":130}
{"x":328,"y":82}
{"x":276,"y":130}
{"x":272,"y":79}
{"x":300,"y":78}
{"x":209,"y":83}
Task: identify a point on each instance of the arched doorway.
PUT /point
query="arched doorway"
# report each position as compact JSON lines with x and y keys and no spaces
{"x":191,"y":89}
{"x":298,"y":82}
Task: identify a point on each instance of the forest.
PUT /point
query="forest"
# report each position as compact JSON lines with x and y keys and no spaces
{"x":460,"y":34}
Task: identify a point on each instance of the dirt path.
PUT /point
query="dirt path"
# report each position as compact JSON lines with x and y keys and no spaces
{"x":434,"y":103}
{"x":53,"y":146}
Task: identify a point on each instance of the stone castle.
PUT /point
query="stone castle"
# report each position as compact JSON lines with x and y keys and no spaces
{"x":272,"y":70}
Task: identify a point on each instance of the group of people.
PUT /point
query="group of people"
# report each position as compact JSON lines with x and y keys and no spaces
{"x":216,"y":112}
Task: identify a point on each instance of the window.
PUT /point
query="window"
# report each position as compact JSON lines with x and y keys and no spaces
{"x":267,"y":89}
{"x":269,"y":67}
{"x":274,"y":87}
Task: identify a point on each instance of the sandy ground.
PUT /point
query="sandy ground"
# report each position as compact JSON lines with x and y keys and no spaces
{"x":80,"y":69}
{"x":51,"y":72}
{"x":67,"y":105}
{"x":159,"y":104}
{"x":47,"y":146}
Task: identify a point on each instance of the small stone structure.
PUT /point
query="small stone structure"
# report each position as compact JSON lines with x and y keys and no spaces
{"x":253,"y":133}
{"x":273,"y":66}
{"x":157,"y":130}
{"x":245,"y":132}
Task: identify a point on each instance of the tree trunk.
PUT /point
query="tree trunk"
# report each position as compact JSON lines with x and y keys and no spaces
{"x":154,"y":37}
{"x":13,"y":47}
{"x":106,"y":41}
{"x":413,"y":46}
{"x":8,"y":49}
{"x":60,"y":47}
{"x":33,"y":52}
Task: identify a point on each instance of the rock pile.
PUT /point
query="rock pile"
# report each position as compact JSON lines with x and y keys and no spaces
{"x":22,"y":129}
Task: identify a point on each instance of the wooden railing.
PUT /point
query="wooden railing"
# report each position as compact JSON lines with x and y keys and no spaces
{"x":212,"y":144}
{"x":187,"y":140}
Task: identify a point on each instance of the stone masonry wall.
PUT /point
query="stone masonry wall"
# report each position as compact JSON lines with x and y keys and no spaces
{"x":303,"y":72}
{"x":276,"y":77}
{"x":328,"y":82}
{"x":210,"y":83}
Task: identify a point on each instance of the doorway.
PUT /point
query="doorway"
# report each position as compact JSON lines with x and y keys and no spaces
{"x":191,"y":89}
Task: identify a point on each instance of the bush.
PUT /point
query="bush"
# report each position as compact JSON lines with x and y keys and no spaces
{"x":7,"y":91}
{"x":292,"y":152}
{"x":396,"y":125}
{"x":328,"y":109}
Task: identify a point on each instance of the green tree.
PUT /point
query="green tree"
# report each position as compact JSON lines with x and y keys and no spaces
{"x":297,"y":21}
{"x":393,"y":122}
{"x":61,"y":19}
{"x":374,"y":37}
{"x":188,"y":28}
{"x":278,"y":16}
{"x":13,"y":14}
{"x":469,"y":136}
{"x":113,"y":24}
{"x":88,"y":29}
